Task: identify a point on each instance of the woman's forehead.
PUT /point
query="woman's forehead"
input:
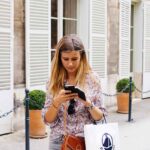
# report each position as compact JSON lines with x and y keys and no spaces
{"x":70,"y":53}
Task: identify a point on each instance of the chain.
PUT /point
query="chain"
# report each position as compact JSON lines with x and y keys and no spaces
{"x":12,"y":110}
{"x":141,"y":90}
{"x":111,"y":95}
{"x":105,"y":94}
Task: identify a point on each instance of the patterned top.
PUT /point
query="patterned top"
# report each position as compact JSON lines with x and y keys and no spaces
{"x":75,"y":122}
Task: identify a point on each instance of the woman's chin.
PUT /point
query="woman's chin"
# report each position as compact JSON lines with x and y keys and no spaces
{"x":71,"y":71}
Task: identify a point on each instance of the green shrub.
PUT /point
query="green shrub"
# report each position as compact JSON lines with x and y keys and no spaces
{"x":37,"y":99}
{"x":122,"y":84}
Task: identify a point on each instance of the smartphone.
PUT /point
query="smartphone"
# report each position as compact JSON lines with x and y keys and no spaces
{"x":72,"y":88}
{"x":81,"y":94}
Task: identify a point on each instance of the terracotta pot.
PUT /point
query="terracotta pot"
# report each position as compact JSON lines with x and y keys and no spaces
{"x":37,"y":126}
{"x":123,"y":103}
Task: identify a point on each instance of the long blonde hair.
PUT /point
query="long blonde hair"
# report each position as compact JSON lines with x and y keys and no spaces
{"x":58,"y":73}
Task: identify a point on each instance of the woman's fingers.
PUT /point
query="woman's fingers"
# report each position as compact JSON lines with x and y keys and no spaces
{"x":71,"y":96}
{"x":66,"y":95}
{"x":67,"y":91}
{"x":62,"y":92}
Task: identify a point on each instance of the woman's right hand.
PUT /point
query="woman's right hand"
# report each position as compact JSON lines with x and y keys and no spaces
{"x":63,"y":96}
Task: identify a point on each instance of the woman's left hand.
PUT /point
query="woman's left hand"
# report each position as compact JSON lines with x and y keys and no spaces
{"x":86,"y":103}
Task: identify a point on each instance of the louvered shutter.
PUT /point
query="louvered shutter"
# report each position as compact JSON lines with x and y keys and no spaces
{"x":6,"y":64}
{"x":124,"y":53}
{"x":98,"y":36}
{"x":146,"y":50}
{"x":37,"y":43}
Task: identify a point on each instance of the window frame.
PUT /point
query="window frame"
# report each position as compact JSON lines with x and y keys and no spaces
{"x":60,"y":20}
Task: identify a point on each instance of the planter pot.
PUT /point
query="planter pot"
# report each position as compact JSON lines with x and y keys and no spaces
{"x":37,"y":126}
{"x":123,"y":103}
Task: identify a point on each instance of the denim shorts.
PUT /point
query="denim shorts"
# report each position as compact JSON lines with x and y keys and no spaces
{"x":55,"y":144}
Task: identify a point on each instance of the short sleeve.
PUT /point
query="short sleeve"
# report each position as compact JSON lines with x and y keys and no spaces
{"x":98,"y":98}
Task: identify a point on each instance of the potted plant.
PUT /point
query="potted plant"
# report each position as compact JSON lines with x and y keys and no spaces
{"x":122,"y":88}
{"x":36,"y":103}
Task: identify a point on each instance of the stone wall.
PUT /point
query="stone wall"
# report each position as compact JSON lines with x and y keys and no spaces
{"x":113,"y":37}
{"x":19,"y":63}
{"x":19,"y":43}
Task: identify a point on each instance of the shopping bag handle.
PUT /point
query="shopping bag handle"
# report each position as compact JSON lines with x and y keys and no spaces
{"x":105,"y":121}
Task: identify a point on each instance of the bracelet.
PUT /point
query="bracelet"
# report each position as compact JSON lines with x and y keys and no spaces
{"x":54,"y":106}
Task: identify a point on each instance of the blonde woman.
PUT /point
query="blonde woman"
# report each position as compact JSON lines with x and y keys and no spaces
{"x":70,"y":66}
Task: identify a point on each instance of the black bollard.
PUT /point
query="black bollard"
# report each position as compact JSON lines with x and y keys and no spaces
{"x":130,"y":100}
{"x":27,"y":119}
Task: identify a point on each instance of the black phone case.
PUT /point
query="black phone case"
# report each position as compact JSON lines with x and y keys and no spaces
{"x":69,"y":87}
{"x":80,"y":93}
{"x":75,"y":90}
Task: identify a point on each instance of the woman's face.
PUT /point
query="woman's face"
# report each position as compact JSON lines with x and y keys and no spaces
{"x":71,"y":61}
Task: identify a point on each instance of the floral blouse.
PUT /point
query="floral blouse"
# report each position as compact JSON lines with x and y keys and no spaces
{"x":75,"y":122}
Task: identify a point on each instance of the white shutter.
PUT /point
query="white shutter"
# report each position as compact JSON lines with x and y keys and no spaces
{"x":146,"y":50}
{"x":98,"y":36}
{"x":124,"y":53}
{"x":6,"y":64}
{"x":37,"y":43}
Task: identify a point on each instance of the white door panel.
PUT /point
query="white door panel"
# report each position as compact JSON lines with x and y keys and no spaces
{"x":98,"y":36}
{"x":124,"y":47}
{"x":6,"y":105}
{"x":6,"y":64}
{"x":146,"y":85}
{"x":146,"y":50}
{"x":37,"y":43}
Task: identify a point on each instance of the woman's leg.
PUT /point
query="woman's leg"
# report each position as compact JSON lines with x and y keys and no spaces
{"x":55,"y":144}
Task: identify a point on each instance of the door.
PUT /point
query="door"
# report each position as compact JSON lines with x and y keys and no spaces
{"x":6,"y":65}
{"x":98,"y":36}
{"x":146,"y":51}
{"x":124,"y":38}
{"x":98,"y":39}
{"x":37,"y":43}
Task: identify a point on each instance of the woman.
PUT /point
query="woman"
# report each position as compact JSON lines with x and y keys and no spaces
{"x":70,"y":66}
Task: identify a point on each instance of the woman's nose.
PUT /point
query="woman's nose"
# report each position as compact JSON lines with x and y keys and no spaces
{"x":70,"y":63}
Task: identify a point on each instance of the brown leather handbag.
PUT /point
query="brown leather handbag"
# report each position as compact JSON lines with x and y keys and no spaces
{"x":72,"y":142}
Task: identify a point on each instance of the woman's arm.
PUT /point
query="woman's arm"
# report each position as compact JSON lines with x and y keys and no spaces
{"x":95,"y":112}
{"x":95,"y":104}
{"x":53,"y":109}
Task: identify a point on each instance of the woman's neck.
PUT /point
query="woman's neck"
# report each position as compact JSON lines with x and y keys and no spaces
{"x":71,"y":79}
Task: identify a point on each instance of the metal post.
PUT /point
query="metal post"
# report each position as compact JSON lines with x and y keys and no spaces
{"x":130,"y":100}
{"x":27,"y":118}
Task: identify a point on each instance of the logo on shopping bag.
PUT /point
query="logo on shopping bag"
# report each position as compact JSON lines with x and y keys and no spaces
{"x":107,"y":142}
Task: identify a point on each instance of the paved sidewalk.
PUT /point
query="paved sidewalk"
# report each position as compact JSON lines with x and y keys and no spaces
{"x":133,"y":135}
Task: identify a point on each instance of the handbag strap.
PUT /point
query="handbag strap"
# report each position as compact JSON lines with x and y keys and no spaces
{"x":65,"y":118}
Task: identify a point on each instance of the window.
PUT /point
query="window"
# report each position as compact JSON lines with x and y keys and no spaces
{"x":63,"y":20}
{"x":54,"y":22}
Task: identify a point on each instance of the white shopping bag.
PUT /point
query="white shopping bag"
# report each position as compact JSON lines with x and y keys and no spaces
{"x":102,"y":136}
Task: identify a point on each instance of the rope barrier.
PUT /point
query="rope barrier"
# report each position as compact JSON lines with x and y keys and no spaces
{"x":105,"y":94}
